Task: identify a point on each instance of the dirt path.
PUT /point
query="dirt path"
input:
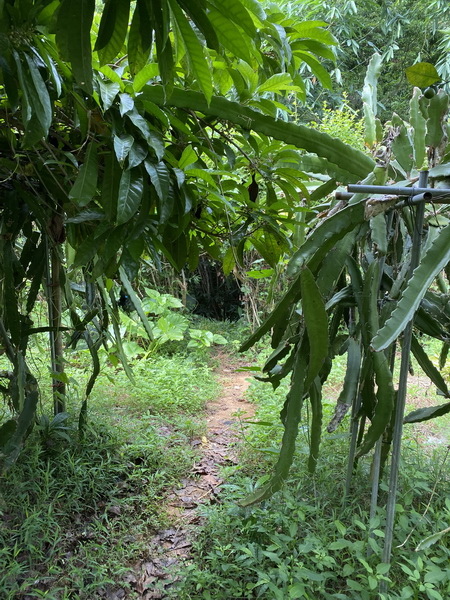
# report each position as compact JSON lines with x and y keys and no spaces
{"x":217,"y":449}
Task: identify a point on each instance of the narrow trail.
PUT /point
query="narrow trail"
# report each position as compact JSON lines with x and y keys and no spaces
{"x":172,"y":546}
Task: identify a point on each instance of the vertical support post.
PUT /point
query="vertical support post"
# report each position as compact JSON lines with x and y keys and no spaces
{"x":54,"y":299}
{"x":401,"y":393}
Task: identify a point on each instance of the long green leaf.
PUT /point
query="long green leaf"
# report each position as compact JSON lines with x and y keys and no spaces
{"x":230,"y":36}
{"x":136,"y":302}
{"x":383,"y":375}
{"x":113,"y":29}
{"x":347,"y":397}
{"x":85,"y":186}
{"x":39,"y":96}
{"x":194,"y":49}
{"x":315,"y":397}
{"x":432,"y":263}
{"x":234,"y":10}
{"x":419,"y":125}
{"x":14,"y":445}
{"x":130,"y":193}
{"x":73,"y":37}
{"x":353,"y":161}
{"x":199,"y":16}
{"x":427,"y":413}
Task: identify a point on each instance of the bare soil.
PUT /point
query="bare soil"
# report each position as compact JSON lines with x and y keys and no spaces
{"x":217,"y":447}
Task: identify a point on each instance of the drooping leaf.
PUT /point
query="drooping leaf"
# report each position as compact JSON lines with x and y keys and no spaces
{"x":231,"y":36}
{"x":122,"y":147}
{"x":113,"y":29}
{"x":160,"y":178}
{"x":428,"y":367}
{"x":136,"y":302}
{"x":291,"y":411}
{"x":130,"y":193}
{"x":354,"y":162}
{"x":73,"y":37}
{"x":194,"y":49}
{"x":315,"y":398}
{"x":316,"y":322}
{"x":85,"y":186}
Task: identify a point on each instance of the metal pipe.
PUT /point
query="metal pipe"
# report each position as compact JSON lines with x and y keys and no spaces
{"x":395,"y":191}
{"x":401,"y":396}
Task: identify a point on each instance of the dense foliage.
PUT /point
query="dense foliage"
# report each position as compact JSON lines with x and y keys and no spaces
{"x":172,"y":137}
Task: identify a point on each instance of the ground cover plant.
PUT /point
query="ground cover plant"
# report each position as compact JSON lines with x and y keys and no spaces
{"x":308,"y":541}
{"x":77,"y":513}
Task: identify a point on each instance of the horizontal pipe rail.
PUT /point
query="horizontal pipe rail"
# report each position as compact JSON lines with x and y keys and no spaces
{"x":395,"y":191}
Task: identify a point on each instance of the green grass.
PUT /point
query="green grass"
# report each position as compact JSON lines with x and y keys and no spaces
{"x":74,"y":516}
{"x":305,"y":542}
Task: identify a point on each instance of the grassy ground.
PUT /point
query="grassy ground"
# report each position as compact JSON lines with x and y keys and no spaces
{"x":306,"y":542}
{"x":77,"y":514}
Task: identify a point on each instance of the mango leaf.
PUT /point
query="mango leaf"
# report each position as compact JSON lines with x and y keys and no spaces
{"x":187,"y":158}
{"x":73,"y":36}
{"x":200,"y":18}
{"x":236,"y":11}
{"x":422,"y":74}
{"x":160,"y":178}
{"x":85,"y":186}
{"x":431,"y":264}
{"x":143,"y":76}
{"x":277,"y":83}
{"x":108,"y":92}
{"x":112,"y":30}
{"x":230,"y":35}
{"x":130,"y":193}
{"x":194,"y":50}
{"x":122,"y":147}
{"x":229,"y":261}
{"x":39,"y":96}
